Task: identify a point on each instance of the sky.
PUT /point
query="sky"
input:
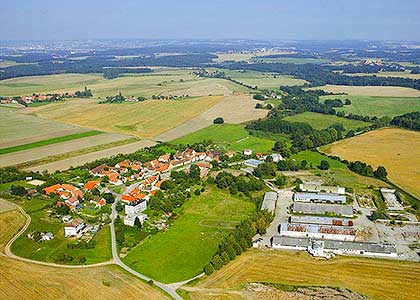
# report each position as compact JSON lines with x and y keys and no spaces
{"x":212,"y":19}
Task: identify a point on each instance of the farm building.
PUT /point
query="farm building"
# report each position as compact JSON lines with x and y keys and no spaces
{"x":321,"y":209}
{"x":74,"y":227}
{"x":323,"y":247}
{"x":391,"y":199}
{"x":315,"y":188}
{"x":269,"y":202}
{"x":319,"y":197}
{"x":136,"y":207}
{"x":253,"y":163}
{"x":320,"y":220}
{"x":318,"y":231}
{"x":130,"y":220}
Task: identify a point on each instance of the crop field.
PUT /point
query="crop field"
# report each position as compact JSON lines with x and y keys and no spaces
{"x":374,"y":278}
{"x":48,"y":250}
{"x":37,"y":153}
{"x":79,"y":158}
{"x":6,"y":205}
{"x":28,"y":281}
{"x":221,"y":57}
{"x":398,"y":150}
{"x":144,"y":119}
{"x":18,"y":129}
{"x":377,"y":106}
{"x":229,"y":136}
{"x":321,"y":121}
{"x":263,"y":80}
{"x":162,"y":81}
{"x":292,"y":60}
{"x":381,"y":91}
{"x":234,"y":109}
{"x":184,"y":250}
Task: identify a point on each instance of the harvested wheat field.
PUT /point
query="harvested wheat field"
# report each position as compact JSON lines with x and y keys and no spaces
{"x":19,"y":157}
{"x":21,"y":280}
{"x":398,"y":150}
{"x":374,"y":278}
{"x":144,"y":119}
{"x":383,"y":91}
{"x":234,"y":109}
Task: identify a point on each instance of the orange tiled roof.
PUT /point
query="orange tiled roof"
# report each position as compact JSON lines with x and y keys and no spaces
{"x":90,"y":185}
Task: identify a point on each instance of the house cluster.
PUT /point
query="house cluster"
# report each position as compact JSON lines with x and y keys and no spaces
{"x":36,"y":98}
{"x":69,"y":194}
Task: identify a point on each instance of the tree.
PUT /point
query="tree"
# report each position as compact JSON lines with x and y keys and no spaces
{"x":280,"y":180}
{"x":381,"y":173}
{"x":194,"y":172}
{"x":137,"y":223}
{"x":218,"y":120}
{"x":231,"y":252}
{"x":324,"y":165}
{"x":347,"y":102}
{"x":109,"y":198}
{"x":18,"y":190}
{"x":217,"y":262}
{"x":209,"y":269}
{"x":258,"y":106}
{"x":259,"y":97}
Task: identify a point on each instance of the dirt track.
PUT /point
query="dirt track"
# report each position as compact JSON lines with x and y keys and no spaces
{"x":233,"y":109}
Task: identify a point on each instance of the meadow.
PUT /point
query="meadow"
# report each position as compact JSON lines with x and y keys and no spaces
{"x":321,"y":121}
{"x":380,"y":91}
{"x":27,"y":281}
{"x":184,"y":250}
{"x":377,"y":105}
{"x":398,"y":150}
{"x":292,"y":60}
{"x":161,"y":81}
{"x":143,"y":119}
{"x":49,"y":250}
{"x":374,"y":278}
{"x":228,"y":136}
{"x":402,"y":74}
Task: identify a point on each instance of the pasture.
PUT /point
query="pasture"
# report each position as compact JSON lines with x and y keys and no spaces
{"x":374,"y":278}
{"x":18,"y":129}
{"x":162,"y":81}
{"x":143,"y":119}
{"x":377,"y":106}
{"x":398,"y":150}
{"x":184,"y":250}
{"x":321,"y":121}
{"x":28,"y":281}
{"x":380,"y":91}
{"x":228,"y":136}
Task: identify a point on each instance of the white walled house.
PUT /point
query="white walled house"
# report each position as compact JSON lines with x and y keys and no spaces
{"x":130,"y":220}
{"x":74,"y":227}
{"x":136,"y":209}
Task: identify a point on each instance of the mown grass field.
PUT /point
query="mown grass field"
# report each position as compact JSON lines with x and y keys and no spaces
{"x":321,"y":121}
{"x":374,"y":278}
{"x":17,"y":129}
{"x":161,"y":81}
{"x":398,"y":150}
{"x":376,"y":105}
{"x":229,"y":136}
{"x":28,"y":281}
{"x":184,"y":250}
{"x":263,"y":80}
{"x":49,"y":142}
{"x":49,"y":250}
{"x":144,"y":119}
{"x":380,"y":91}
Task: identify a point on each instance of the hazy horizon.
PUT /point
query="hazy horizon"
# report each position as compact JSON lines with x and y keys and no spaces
{"x":263,"y":20}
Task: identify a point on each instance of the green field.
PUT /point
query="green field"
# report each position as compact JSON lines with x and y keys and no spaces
{"x":49,"y":141}
{"x":161,"y":81}
{"x":48,"y":250}
{"x":378,"y":106}
{"x":292,"y":60}
{"x":230,"y":136}
{"x":263,"y":80}
{"x":183,"y":251}
{"x":321,"y":121}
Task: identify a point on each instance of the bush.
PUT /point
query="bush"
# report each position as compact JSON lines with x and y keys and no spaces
{"x":324,"y":165}
{"x":218,"y":120}
{"x":209,"y":269}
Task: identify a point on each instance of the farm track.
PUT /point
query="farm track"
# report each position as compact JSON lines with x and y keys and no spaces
{"x":34,"y":154}
{"x":233,"y":109}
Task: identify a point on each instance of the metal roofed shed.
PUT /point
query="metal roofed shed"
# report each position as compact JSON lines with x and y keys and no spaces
{"x":315,"y":188}
{"x":319,"y":197}
{"x":321,"y":220}
{"x":391,"y":199}
{"x":252,"y":163}
{"x":318,"y":231}
{"x":322,"y":209}
{"x":269,"y":202}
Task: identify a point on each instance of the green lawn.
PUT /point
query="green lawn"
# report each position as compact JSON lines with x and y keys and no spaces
{"x":378,"y":106}
{"x":321,"y":121}
{"x":49,"y":141}
{"x":183,"y":251}
{"x":48,"y":250}
{"x":230,"y":136}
